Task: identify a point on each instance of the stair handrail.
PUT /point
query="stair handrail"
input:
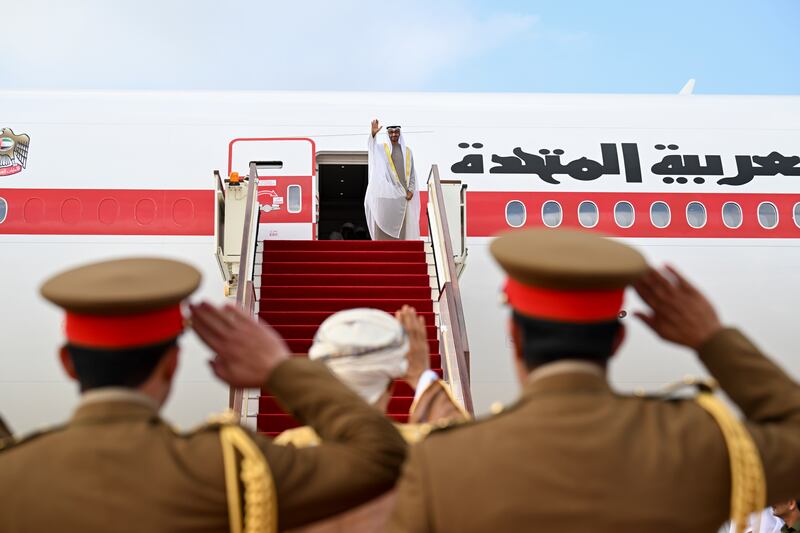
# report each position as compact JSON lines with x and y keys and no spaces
{"x":451,"y":310}
{"x":245,"y":289}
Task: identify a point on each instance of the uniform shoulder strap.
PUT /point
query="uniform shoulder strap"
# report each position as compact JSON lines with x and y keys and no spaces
{"x":11,"y":441}
{"x":256,"y":510}
{"x":748,"y":481}
{"x":300,"y":437}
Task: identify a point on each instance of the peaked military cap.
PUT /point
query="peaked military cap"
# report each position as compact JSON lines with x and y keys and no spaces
{"x":566,"y":275}
{"x":123,"y":303}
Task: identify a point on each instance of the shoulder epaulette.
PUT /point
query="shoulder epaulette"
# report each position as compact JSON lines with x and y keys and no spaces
{"x":497,"y":411}
{"x":748,"y":481}
{"x":13,"y":441}
{"x":686,"y":389}
{"x":299,"y":437}
{"x":213,"y":422}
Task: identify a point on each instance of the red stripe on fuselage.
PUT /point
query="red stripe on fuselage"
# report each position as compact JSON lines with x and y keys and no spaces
{"x":191,"y":212}
{"x":486,"y":213}
{"x":108,"y":212}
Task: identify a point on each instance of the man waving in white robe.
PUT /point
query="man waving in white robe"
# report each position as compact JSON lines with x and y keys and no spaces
{"x":392,"y":201}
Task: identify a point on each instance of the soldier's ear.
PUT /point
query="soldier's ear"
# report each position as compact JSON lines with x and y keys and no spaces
{"x":514,"y":331}
{"x":66,"y":362}
{"x":169,"y":363}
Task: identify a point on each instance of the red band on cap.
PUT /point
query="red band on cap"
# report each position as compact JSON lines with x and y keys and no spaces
{"x":124,"y":331}
{"x":567,"y":306}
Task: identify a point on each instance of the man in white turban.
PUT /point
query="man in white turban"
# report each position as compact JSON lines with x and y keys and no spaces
{"x":368,"y":349}
{"x":391,"y":204}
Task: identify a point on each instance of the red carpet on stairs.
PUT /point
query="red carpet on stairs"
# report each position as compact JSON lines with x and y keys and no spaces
{"x":304,"y":282}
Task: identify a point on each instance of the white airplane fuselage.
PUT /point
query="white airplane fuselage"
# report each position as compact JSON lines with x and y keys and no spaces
{"x":110,"y":174}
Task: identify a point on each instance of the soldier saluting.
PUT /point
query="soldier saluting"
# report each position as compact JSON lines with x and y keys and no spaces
{"x":117,"y":465}
{"x":572,"y":454}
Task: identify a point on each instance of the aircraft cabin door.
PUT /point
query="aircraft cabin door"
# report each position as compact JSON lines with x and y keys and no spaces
{"x":286,"y":174}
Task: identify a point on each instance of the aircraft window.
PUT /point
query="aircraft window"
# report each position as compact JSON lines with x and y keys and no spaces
{"x":587,"y":214}
{"x":696,"y":214}
{"x":767,"y":215}
{"x":797,"y":214}
{"x":659,"y":214}
{"x":3,"y":210}
{"x":731,"y":215}
{"x":624,"y":214}
{"x":515,"y":213}
{"x":293,"y":200}
{"x":551,"y":214}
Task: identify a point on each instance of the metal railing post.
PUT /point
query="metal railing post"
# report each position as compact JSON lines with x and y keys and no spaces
{"x":450,"y":294}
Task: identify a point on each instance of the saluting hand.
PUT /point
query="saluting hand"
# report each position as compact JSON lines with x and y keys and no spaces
{"x":247,"y":351}
{"x":376,"y":127}
{"x":680,"y":313}
{"x":418,"y":356}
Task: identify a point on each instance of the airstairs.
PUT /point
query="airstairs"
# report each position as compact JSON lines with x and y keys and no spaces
{"x":294,"y":284}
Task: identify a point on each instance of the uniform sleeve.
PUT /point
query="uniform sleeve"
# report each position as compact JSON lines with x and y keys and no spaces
{"x":411,"y":512}
{"x":436,"y":404}
{"x":359,"y":458}
{"x":770,"y":401}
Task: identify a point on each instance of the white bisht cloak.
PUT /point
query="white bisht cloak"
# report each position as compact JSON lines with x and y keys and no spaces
{"x":385,"y":204}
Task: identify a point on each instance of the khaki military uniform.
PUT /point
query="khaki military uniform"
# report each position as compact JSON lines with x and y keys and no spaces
{"x":572,"y":455}
{"x":116,"y":465}
{"x":435,"y":407}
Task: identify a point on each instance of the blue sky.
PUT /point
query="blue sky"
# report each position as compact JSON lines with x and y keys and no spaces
{"x":586,"y":46}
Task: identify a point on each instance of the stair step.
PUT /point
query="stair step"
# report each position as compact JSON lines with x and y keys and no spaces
{"x":410,"y":293}
{"x":315,"y":318}
{"x":274,"y":424}
{"x":401,"y":388}
{"x":301,"y":346}
{"x":347,"y":267}
{"x":412,"y":246}
{"x":338,"y":256}
{"x":269,"y":405}
{"x":435,"y":359}
{"x":338,"y":304}
{"x":292,"y":331}
{"x":350,"y":280}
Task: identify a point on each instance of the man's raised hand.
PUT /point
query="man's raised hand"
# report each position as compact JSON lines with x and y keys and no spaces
{"x":247,"y":351}
{"x":419,"y":357}
{"x":679,"y":312}
{"x":376,"y":127}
